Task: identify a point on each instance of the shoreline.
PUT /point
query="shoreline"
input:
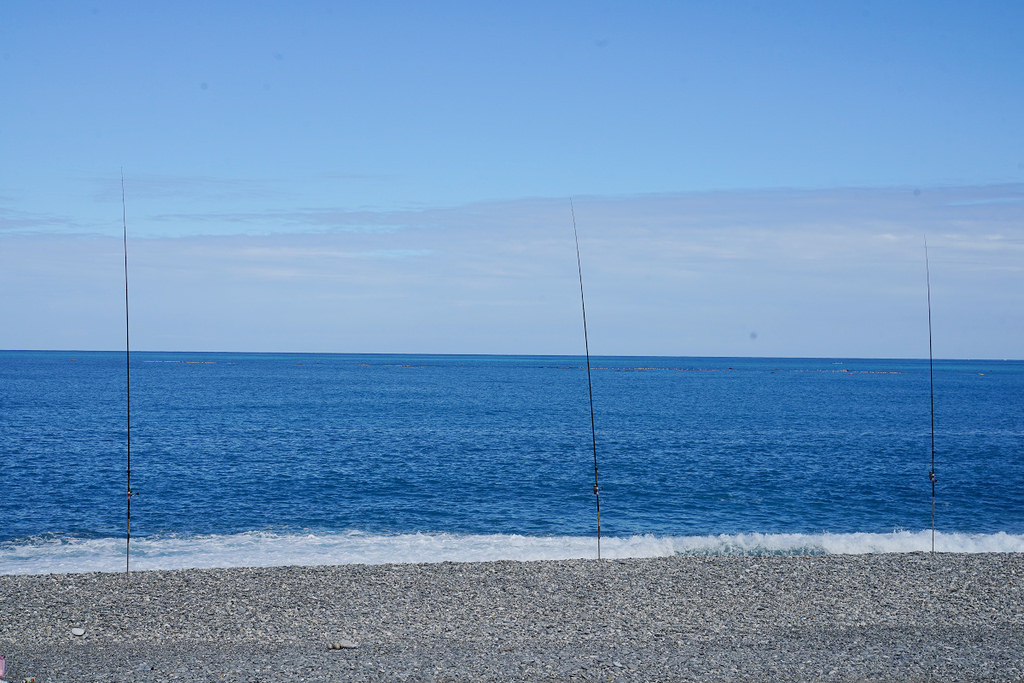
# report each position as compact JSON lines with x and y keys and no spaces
{"x":41,"y":555}
{"x":839,"y":617}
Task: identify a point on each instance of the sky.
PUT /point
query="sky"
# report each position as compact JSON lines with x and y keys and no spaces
{"x":746,"y":178}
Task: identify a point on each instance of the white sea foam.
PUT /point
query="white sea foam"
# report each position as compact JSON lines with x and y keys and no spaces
{"x":262,"y":549}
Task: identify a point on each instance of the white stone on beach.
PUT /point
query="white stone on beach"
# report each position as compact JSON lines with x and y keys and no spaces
{"x":78,"y":631}
{"x":342,"y":645}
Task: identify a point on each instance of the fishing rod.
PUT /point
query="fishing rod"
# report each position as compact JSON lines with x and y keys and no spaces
{"x":931,"y":382}
{"x":590,"y":385}
{"x":128,"y":381}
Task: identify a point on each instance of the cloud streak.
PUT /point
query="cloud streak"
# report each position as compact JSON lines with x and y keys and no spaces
{"x":768,"y":273}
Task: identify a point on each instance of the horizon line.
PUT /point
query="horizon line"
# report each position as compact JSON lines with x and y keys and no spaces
{"x":503,"y":355}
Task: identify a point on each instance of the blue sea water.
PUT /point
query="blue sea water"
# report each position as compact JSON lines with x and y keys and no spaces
{"x":263,"y":459}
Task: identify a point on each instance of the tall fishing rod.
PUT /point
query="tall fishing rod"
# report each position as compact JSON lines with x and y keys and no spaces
{"x":590,"y":385}
{"x":931,"y":382}
{"x":128,"y":381}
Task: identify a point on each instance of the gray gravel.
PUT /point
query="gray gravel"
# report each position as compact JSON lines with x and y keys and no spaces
{"x":855,"y":617}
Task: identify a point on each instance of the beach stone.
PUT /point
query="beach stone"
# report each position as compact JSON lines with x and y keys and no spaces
{"x":343,"y":645}
{"x":78,"y":631}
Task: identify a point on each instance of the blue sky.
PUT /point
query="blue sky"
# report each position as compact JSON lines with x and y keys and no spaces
{"x":750,"y":178}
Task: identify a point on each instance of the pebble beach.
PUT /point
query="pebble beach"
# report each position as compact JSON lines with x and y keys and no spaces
{"x":912,"y":617}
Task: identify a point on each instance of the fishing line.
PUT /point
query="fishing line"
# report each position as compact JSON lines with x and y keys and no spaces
{"x":931,"y":381}
{"x":128,"y":381}
{"x":590,"y":385}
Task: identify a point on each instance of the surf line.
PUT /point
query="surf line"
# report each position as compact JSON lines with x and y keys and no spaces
{"x":128,"y":382}
{"x":590,"y":384}
{"x":931,"y":381}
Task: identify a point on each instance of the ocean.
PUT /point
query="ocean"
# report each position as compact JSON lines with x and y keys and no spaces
{"x":302,"y":459}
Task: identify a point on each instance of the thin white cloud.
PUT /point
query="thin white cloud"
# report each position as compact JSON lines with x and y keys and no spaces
{"x":821,"y":273}
{"x":143,"y":187}
{"x":25,"y":222}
